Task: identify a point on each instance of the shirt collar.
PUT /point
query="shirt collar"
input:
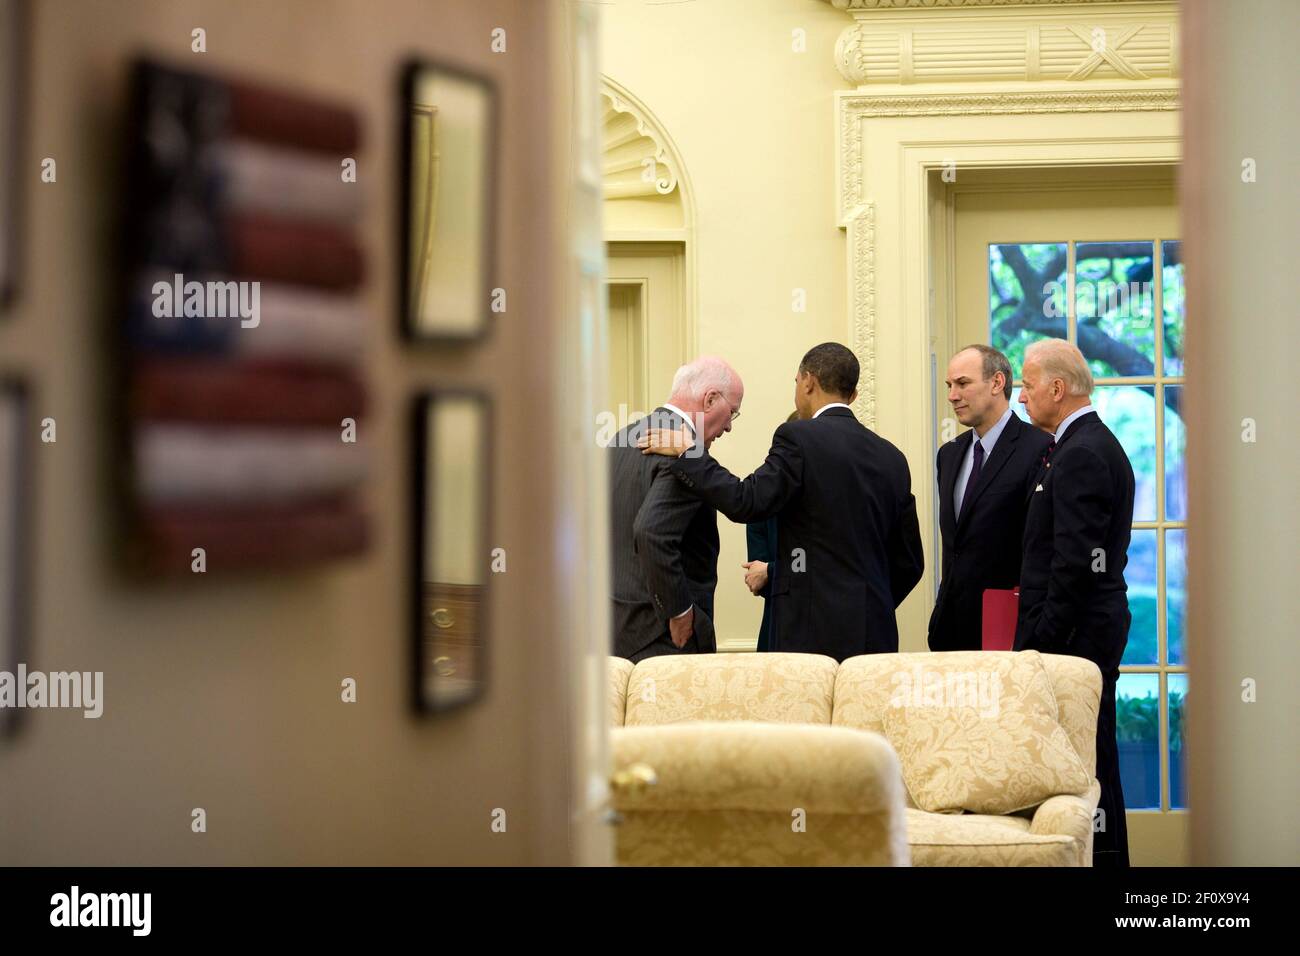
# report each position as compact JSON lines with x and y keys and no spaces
{"x":1069,"y":420}
{"x":991,"y":436}
{"x":690,"y":423}
{"x":829,"y":405}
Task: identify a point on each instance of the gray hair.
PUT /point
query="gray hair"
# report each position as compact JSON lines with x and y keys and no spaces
{"x":695,"y":379}
{"x":1059,"y":359}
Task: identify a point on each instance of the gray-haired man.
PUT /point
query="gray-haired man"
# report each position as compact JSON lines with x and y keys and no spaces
{"x":663,"y":538}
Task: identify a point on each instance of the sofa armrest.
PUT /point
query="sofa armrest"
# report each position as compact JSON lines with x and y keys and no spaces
{"x":765,"y":767}
{"x":1069,"y":815}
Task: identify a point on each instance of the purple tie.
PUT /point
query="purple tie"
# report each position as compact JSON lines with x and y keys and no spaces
{"x":974,"y":475}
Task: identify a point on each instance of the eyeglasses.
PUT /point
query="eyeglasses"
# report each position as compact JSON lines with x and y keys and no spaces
{"x":735,"y":412}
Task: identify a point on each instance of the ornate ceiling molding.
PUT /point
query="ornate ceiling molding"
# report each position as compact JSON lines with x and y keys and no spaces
{"x":945,"y":41}
{"x":852,"y":108}
{"x":638,"y":159}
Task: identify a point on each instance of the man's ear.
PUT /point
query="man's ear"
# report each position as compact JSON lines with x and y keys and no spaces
{"x":853,"y":397}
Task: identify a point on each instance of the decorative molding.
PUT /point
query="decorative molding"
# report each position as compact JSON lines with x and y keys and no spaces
{"x":861,"y":226}
{"x":935,"y":43}
{"x":633,"y":143}
{"x":854,"y":107}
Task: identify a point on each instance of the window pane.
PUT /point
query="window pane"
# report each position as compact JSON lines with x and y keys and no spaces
{"x":1176,"y":592}
{"x":1026,"y":296}
{"x":1137,"y":730}
{"x":1177,"y":741}
{"x":1130,"y":412}
{"x":1143,"y":599}
{"x":1114,"y":303}
{"x":1172,"y":305}
{"x":1018,"y":408}
{"x":1175,"y":455}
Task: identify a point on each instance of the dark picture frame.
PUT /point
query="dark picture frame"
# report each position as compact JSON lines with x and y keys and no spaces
{"x":450,"y":619}
{"x":14,"y":41}
{"x":15,"y":533}
{"x":421,"y":322}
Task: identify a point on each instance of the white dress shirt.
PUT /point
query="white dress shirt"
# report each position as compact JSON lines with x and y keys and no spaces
{"x":690,"y":422}
{"x":829,"y":405}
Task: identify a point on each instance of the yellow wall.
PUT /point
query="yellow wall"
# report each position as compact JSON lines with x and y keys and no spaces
{"x":225,"y":694}
{"x":753,"y":123}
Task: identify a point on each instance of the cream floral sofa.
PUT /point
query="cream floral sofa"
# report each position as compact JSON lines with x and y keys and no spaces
{"x":741,"y":743}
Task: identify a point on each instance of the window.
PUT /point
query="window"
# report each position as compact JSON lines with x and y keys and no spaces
{"x":1104,"y":297}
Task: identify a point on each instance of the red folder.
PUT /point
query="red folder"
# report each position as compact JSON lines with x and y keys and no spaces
{"x":1001,"y":608}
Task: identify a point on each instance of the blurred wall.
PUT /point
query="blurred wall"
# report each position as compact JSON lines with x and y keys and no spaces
{"x":1241,"y":206}
{"x":754,"y":123}
{"x":225,"y":693}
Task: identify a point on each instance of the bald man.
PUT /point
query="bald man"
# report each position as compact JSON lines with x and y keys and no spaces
{"x":1073,"y":597}
{"x":663,"y":538}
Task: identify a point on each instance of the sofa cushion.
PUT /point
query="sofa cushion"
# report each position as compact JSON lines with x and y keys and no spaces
{"x":1076,"y":684}
{"x":986,"y":740}
{"x":939,"y":839}
{"x":779,"y":688}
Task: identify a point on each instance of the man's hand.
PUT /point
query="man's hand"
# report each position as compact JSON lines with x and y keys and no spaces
{"x":755,"y":575}
{"x":665,"y":441}
{"x":681,"y":628}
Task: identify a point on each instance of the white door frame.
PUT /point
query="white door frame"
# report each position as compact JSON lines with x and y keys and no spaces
{"x":889,"y":144}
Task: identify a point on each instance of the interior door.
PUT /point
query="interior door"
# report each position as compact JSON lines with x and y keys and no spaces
{"x":647,"y":323}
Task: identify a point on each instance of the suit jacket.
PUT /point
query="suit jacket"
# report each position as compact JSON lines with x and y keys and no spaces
{"x":1073,"y":597}
{"x":982,"y":547}
{"x":664,"y":544}
{"x":849,"y":542}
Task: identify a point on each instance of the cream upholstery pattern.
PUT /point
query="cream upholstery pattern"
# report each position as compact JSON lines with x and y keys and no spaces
{"x":785,"y":688}
{"x":751,"y":793}
{"x":708,"y":806}
{"x":987,"y":741}
{"x":619,"y":671}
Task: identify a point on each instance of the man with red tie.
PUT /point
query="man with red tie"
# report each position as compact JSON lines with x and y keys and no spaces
{"x":1073,"y":597}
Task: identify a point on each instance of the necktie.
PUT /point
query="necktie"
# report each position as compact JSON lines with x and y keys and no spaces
{"x":1047,"y":452}
{"x":974,"y":475}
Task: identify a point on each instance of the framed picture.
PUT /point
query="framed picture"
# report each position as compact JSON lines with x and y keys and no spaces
{"x":15,"y":507}
{"x":13,"y":46}
{"x":451,"y":522}
{"x":448,"y":175}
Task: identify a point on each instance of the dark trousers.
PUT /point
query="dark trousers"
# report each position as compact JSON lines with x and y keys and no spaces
{"x":663,"y":645}
{"x":1110,"y":845}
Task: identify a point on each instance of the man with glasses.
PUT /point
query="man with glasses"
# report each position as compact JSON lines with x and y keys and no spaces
{"x":849,"y":542}
{"x":664,"y":540}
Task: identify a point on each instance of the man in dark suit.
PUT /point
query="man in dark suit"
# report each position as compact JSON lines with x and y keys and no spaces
{"x":984,"y":476}
{"x":1073,"y":597}
{"x":663,"y":539}
{"x":850,"y":546}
